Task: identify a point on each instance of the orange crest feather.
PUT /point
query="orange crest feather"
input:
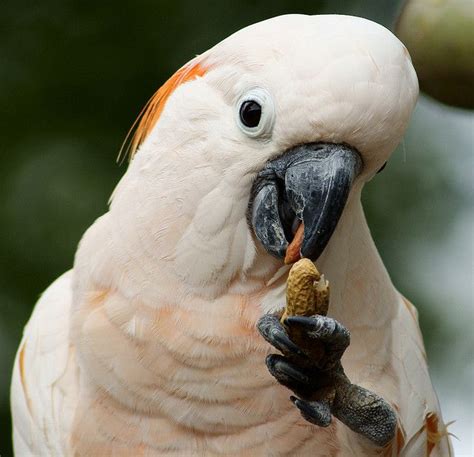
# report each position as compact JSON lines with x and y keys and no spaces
{"x":151,"y":112}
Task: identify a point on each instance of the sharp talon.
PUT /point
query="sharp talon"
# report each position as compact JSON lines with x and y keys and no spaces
{"x":295,"y":374}
{"x":317,"y":413}
{"x":284,"y":342}
{"x":324,"y":329}
{"x":300,"y":321}
{"x":285,"y":373}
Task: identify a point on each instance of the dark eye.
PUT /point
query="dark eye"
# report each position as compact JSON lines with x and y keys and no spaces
{"x":250,"y":113}
{"x":255,"y":113}
{"x":382,"y":167}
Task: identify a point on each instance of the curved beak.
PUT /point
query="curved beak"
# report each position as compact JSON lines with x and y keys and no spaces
{"x":304,"y":190}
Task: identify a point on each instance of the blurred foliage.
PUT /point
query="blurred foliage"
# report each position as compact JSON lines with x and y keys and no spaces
{"x":73,"y":76}
{"x":440,"y":37}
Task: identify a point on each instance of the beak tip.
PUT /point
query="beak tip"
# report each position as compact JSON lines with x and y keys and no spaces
{"x":313,"y":250}
{"x":317,"y":180}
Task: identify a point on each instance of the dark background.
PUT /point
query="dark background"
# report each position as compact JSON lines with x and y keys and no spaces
{"x":74,"y":75}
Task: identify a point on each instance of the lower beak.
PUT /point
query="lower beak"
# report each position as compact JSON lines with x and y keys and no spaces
{"x":308,"y":185}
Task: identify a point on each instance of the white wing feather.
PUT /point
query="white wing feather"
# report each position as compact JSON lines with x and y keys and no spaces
{"x":44,"y":385}
{"x":422,"y":423}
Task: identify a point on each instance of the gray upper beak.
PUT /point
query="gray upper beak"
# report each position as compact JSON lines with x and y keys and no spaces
{"x":309,"y":183}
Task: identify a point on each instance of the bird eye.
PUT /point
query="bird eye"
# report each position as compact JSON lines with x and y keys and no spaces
{"x":256,"y":113}
{"x":250,"y":113}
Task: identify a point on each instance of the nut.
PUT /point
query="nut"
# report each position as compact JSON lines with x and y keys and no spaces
{"x":307,"y":291}
{"x":307,"y":294}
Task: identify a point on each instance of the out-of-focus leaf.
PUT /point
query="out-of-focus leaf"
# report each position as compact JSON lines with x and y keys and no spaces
{"x":439,"y":35}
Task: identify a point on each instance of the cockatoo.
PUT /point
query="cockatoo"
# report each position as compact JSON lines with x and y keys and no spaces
{"x":150,"y":346}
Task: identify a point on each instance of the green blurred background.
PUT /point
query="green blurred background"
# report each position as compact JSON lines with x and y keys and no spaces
{"x":74,"y":75}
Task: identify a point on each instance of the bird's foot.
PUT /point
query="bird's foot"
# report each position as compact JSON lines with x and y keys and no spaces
{"x":311,"y":367}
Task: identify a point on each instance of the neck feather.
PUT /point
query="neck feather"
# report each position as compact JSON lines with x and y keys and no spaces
{"x":361,"y":290}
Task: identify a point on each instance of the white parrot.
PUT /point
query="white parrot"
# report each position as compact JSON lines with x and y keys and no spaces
{"x":149,"y":345}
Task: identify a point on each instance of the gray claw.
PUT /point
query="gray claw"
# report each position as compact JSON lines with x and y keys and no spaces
{"x":320,"y":327}
{"x":271,"y":329}
{"x":316,"y":412}
{"x":325,"y":329}
{"x":301,"y":321}
{"x":361,"y":410}
{"x":285,"y":372}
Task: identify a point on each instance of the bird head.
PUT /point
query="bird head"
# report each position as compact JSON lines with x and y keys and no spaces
{"x":273,"y":127}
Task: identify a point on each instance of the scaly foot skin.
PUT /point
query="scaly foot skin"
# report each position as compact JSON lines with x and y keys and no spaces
{"x":322,"y":389}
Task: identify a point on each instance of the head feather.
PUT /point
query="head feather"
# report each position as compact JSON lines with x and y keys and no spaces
{"x":151,"y":112}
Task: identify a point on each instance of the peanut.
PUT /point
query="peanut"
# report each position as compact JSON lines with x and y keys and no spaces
{"x":307,"y":294}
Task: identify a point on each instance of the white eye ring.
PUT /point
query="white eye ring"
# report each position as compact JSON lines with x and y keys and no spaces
{"x":267,"y":117}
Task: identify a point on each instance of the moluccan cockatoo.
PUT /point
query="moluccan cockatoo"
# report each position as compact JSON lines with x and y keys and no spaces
{"x":159,"y":340}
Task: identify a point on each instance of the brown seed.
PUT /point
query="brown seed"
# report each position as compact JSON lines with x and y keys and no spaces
{"x":307,"y":294}
{"x":307,"y":291}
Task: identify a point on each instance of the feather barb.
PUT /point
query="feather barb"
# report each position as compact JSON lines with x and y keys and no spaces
{"x":151,"y":112}
{"x":435,"y":431}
